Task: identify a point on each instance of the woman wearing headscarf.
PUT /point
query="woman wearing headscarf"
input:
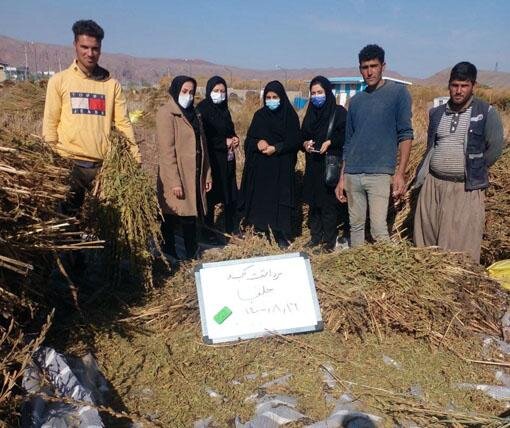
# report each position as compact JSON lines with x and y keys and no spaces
{"x":271,"y":145}
{"x":221,"y":143}
{"x":324,"y":208}
{"x":184,"y":175}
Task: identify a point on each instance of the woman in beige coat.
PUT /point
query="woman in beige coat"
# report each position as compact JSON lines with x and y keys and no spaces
{"x":184,"y":175}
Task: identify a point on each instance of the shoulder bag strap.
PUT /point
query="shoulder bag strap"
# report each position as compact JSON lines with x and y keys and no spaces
{"x":330,"y":126}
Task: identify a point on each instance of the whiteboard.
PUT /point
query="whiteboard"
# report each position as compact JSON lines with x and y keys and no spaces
{"x":248,"y":298}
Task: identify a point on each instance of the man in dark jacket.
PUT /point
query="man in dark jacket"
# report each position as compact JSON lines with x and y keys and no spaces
{"x":465,"y":137}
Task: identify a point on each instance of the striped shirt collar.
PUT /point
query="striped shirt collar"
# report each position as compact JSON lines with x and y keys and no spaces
{"x":466,"y":107}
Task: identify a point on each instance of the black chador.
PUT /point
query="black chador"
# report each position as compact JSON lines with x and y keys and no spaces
{"x":218,"y":126}
{"x":324,"y":208}
{"x":267,"y":187}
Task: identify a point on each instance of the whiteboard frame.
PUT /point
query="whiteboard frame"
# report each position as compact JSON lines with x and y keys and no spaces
{"x":319,"y":326}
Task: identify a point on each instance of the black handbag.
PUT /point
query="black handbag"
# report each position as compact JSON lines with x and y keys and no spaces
{"x":332,"y":162}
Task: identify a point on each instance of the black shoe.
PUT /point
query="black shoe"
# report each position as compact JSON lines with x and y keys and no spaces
{"x":212,"y":238}
{"x":328,"y":248}
{"x":311,"y":243}
{"x":174,"y":262}
{"x":283,"y":243}
{"x":169,"y":252}
{"x":193,"y":253}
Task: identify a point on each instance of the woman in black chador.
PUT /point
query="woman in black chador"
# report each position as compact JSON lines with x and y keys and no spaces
{"x":324,"y":208}
{"x":221,"y":143}
{"x":271,"y":146}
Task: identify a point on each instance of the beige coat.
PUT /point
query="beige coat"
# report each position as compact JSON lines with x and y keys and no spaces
{"x":177,"y":161}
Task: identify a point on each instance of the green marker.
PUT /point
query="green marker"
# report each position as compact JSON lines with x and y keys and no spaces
{"x":222,"y":315}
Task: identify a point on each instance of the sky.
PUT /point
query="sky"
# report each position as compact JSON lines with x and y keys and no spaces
{"x":420,"y":37}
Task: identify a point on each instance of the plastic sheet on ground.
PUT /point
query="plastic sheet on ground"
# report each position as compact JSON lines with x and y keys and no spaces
{"x":272,"y":411}
{"x":65,"y":380}
{"x":275,"y":410}
{"x":346,"y":415}
{"x":494,"y":391}
{"x":500,"y":345}
{"x":327,"y":377}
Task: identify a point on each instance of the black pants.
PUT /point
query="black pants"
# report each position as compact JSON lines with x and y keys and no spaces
{"x":80,"y":183}
{"x":189,"y":231}
{"x":323,"y":223}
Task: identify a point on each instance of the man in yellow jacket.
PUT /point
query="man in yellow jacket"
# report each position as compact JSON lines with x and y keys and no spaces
{"x":82,"y":103}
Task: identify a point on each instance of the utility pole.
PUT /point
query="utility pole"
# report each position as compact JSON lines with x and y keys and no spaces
{"x":230,"y":71}
{"x":35,"y":60}
{"x":285,"y":71}
{"x":57,"y":61}
{"x":26,"y":62}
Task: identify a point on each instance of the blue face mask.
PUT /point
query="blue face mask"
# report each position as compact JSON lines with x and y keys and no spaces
{"x":318,"y":100}
{"x":273,"y":104}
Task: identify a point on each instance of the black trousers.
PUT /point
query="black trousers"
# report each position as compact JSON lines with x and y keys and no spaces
{"x":189,"y":231}
{"x":323,"y":223}
{"x":80,"y":183}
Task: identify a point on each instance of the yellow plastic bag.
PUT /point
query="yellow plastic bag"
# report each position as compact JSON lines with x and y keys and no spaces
{"x":135,"y":115}
{"x":500,"y":271}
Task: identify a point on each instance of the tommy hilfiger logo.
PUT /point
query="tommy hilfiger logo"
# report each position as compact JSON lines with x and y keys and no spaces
{"x":87,"y":103}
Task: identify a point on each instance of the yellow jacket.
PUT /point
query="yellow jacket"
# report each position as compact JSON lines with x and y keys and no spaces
{"x":79,"y":113}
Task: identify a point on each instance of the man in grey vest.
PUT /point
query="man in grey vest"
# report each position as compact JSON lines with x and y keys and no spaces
{"x":465,"y":137}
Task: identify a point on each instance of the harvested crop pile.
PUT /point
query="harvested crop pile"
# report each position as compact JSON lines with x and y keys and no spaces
{"x":33,"y":182}
{"x":397,"y":288}
{"x":378,"y":289}
{"x":396,"y":317}
{"x":23,"y":97}
{"x":16,"y":350}
{"x":22,"y":106}
{"x":125,"y":212}
{"x":496,"y":240}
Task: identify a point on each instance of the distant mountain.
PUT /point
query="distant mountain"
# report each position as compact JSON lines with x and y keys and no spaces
{"x":127,"y":68}
{"x":494,"y":79}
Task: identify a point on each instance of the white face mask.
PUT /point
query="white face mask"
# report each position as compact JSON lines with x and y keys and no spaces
{"x":185,"y":100}
{"x":217,"y":97}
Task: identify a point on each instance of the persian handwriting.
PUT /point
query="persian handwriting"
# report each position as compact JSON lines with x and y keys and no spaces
{"x":255,"y":271}
{"x":282,"y":308}
{"x":253,"y":293}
